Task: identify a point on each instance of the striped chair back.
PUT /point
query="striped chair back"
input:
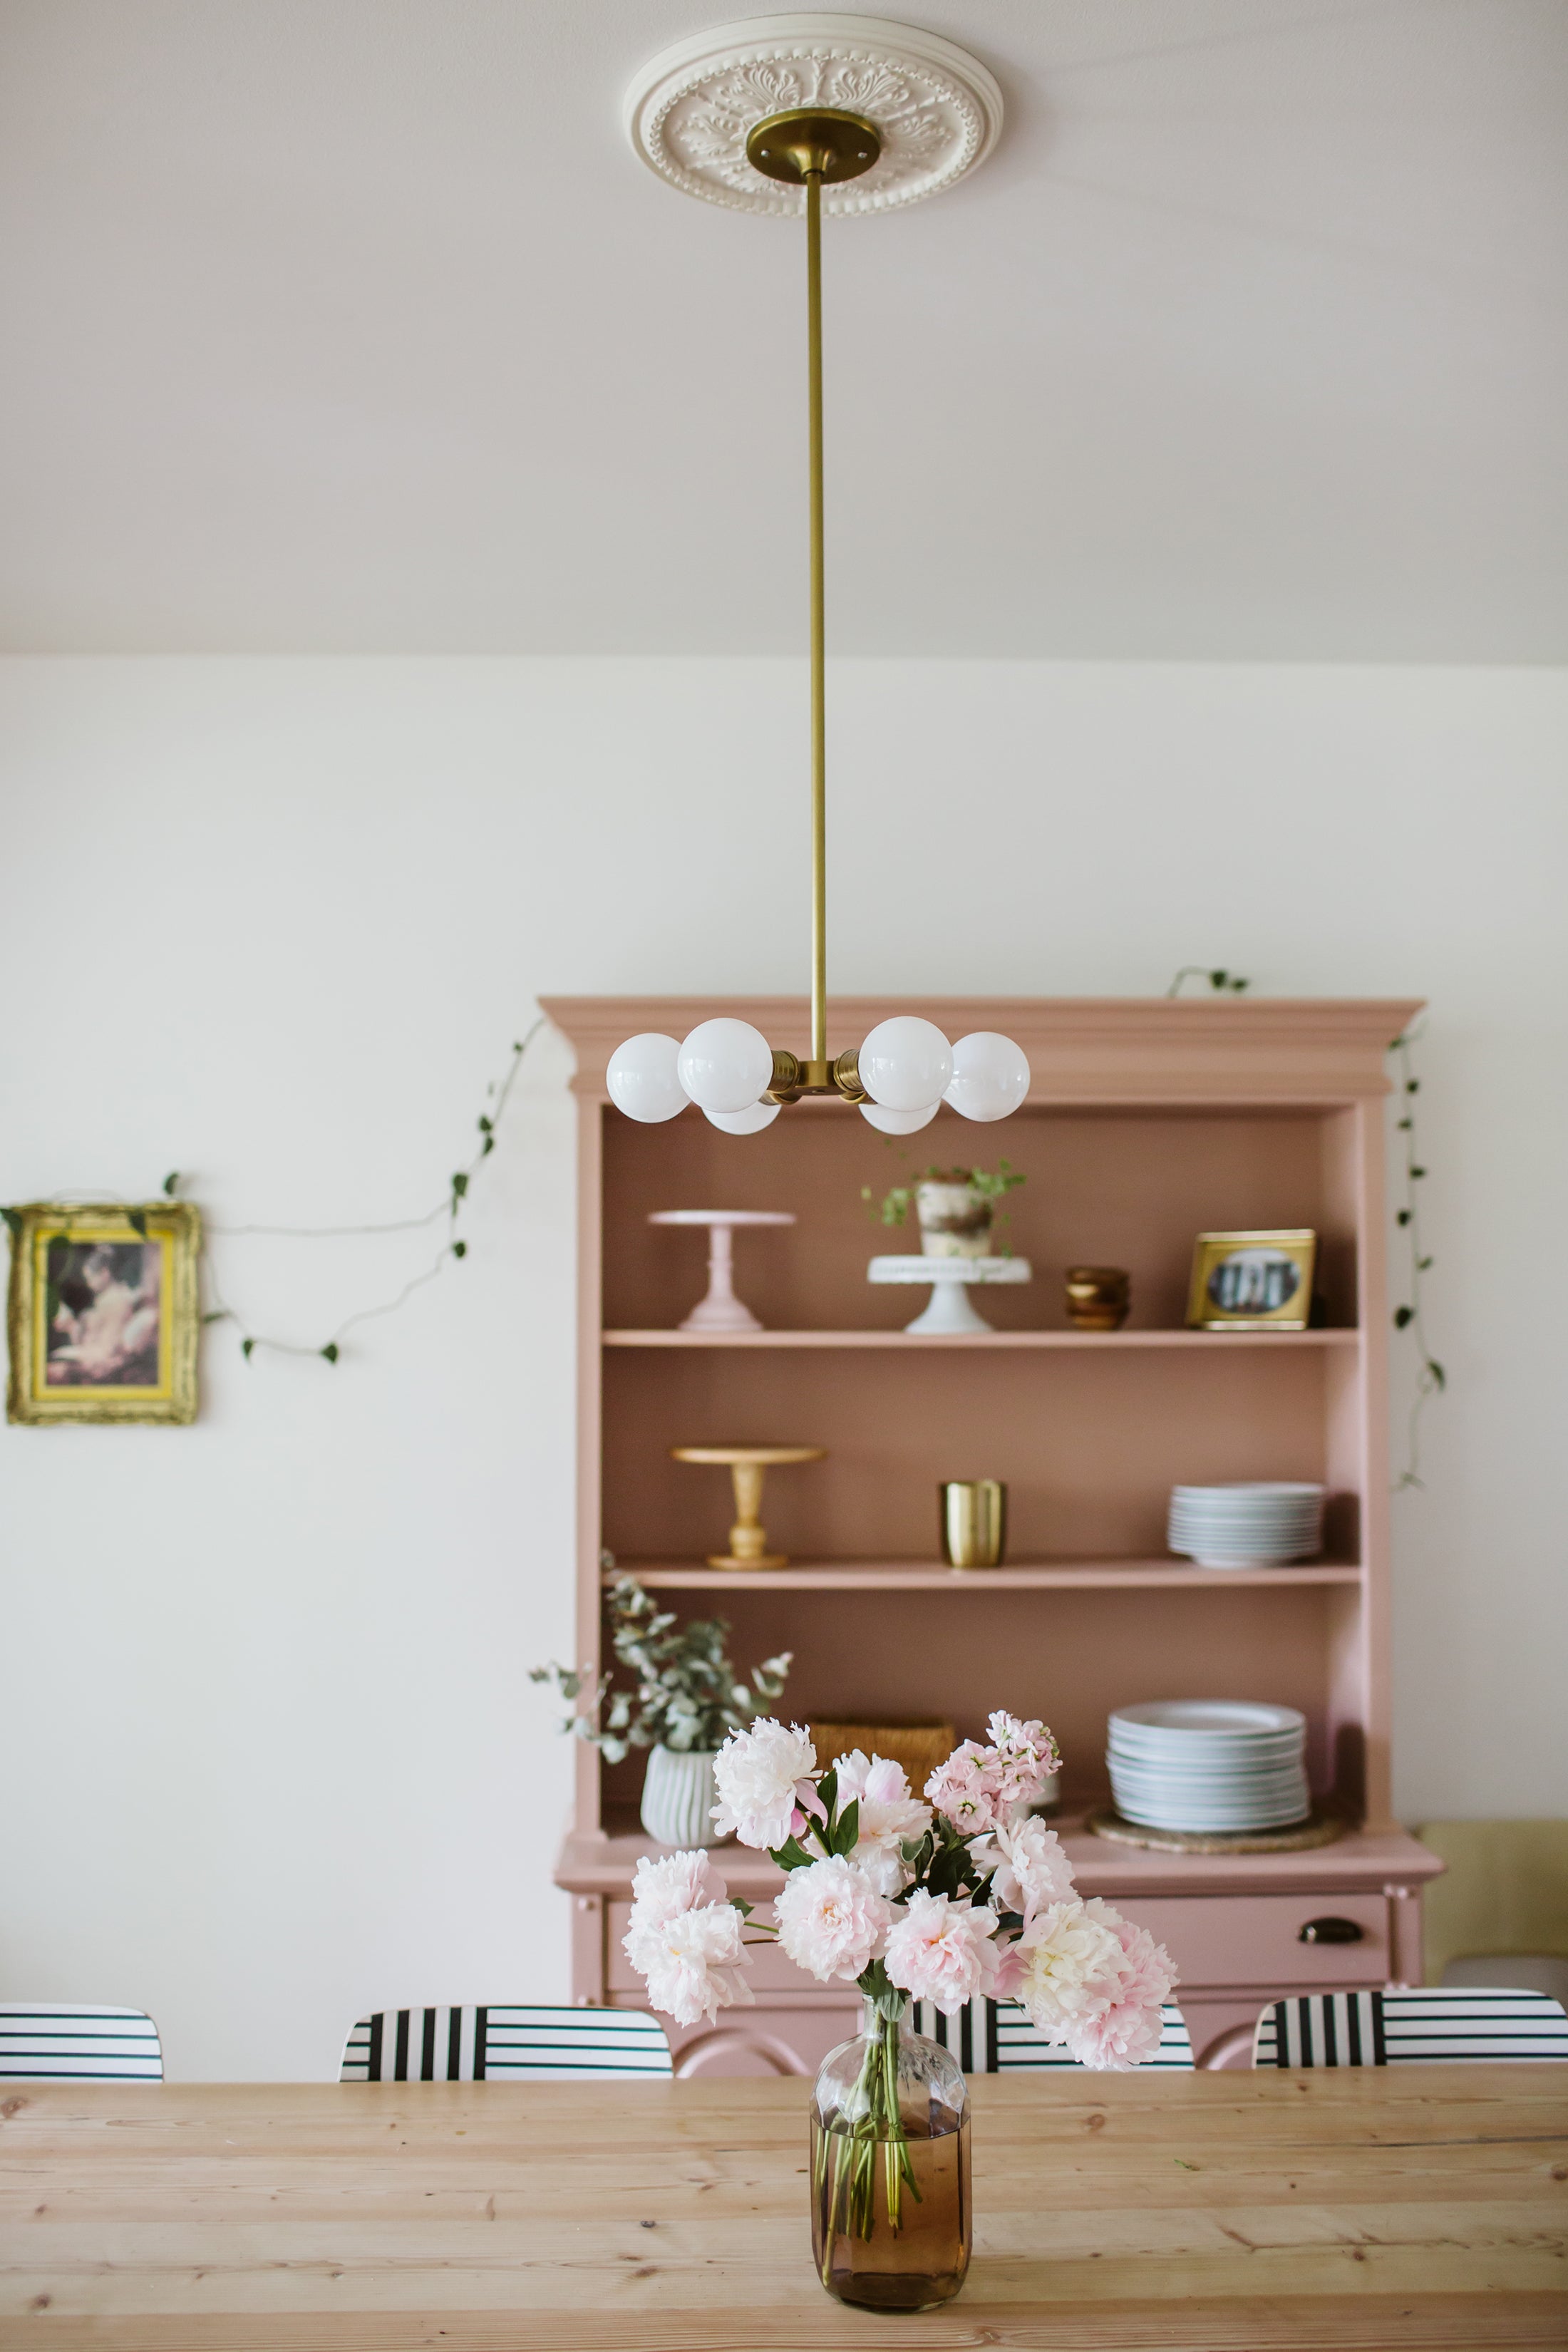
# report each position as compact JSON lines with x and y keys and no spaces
{"x":508,"y":2045}
{"x":1425,"y":2024}
{"x":995,"y":2037}
{"x":59,"y":2042}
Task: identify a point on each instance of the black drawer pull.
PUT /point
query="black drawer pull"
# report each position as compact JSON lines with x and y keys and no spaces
{"x":1332,"y":1931}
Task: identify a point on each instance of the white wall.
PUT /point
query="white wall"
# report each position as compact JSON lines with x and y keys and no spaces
{"x":268,"y":1752}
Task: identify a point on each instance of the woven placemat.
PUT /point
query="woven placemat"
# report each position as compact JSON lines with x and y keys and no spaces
{"x":1318,"y":1830}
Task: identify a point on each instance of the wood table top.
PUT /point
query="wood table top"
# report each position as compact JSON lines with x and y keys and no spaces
{"x":1410,"y":2205}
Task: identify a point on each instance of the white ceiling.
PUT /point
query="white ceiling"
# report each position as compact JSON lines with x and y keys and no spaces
{"x":353,"y":326}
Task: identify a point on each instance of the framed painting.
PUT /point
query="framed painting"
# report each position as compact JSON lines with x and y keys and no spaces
{"x":104,"y":1313}
{"x":1253,"y":1282}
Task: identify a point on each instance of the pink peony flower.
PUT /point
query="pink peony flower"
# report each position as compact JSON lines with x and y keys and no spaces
{"x":831,"y":1919}
{"x":670,"y":1883}
{"x":889,"y":1813}
{"x":1071,"y":1967}
{"x":1024,"y":1758}
{"x":966,"y":1789}
{"x":939,"y":1951}
{"x":692,"y":1962}
{"x":1128,"y":2032}
{"x":755,"y":1773}
{"x":1029,"y":1870}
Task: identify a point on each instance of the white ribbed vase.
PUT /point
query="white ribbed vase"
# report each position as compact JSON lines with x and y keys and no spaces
{"x":678,"y":1796}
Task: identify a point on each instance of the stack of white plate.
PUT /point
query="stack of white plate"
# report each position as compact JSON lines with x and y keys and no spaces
{"x":1253,"y":1526}
{"x":1208,"y":1764}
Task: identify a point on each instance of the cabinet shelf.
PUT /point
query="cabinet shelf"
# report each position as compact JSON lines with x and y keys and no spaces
{"x":1093,"y":1342}
{"x":932,"y":1576}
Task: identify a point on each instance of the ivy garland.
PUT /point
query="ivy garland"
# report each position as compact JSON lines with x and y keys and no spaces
{"x":447,"y":1207}
{"x":1431,"y":1379}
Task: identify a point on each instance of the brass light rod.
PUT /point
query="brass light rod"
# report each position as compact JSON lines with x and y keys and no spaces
{"x":814,"y":146}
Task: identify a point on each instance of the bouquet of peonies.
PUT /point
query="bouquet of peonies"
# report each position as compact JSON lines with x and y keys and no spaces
{"x":964,"y":1893}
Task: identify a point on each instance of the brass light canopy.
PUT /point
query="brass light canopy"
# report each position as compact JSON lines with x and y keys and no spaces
{"x":807,"y":141}
{"x":942,"y":112}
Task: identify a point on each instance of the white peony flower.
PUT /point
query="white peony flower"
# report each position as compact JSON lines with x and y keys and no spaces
{"x":889,"y":1813}
{"x":668,"y":1883}
{"x":755,"y":1774}
{"x":692,"y":1962}
{"x":1029,"y":1870}
{"x":939,"y":1951}
{"x":1070,"y":1967}
{"x":831,"y":1919}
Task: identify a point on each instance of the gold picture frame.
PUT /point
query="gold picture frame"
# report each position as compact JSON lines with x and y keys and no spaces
{"x":1253,"y":1281}
{"x":104,"y":1312}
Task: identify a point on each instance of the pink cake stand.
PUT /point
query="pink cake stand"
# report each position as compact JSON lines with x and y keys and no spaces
{"x":722,"y":1310}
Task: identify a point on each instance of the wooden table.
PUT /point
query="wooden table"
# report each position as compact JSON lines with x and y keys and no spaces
{"x":1409,"y":2206}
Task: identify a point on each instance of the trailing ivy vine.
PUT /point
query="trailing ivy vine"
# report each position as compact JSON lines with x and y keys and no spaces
{"x":448,"y":1209}
{"x":1431,"y":1379}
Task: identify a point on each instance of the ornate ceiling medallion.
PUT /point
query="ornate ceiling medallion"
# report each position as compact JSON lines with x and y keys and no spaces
{"x":692,"y":108}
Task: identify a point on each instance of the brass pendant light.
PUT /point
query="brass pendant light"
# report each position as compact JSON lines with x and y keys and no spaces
{"x":905,"y":1068}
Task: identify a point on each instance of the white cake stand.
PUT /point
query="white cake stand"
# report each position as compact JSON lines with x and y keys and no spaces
{"x":950,"y":1313}
{"x":722,"y":1310}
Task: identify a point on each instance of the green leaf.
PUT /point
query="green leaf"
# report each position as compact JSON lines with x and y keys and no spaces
{"x":459,"y":1184}
{"x":848,"y":1828}
{"x":459,"y":1249}
{"x":1405,"y":1123}
{"x":791,"y":1855}
{"x":1417,"y":1171}
{"x":137,"y":1221}
{"x":13,"y":1219}
{"x":216,"y":1315}
{"x":486,"y":1125}
{"x":1403,"y":1218}
{"x":170,"y":1180}
{"x":245,"y":1348}
{"x":1422,"y":1264}
{"x":1402,"y":1315}
{"x":330,"y":1352}
{"x":1439,"y":1377}
{"x":488,"y":1145}
{"x":1412,"y":1085}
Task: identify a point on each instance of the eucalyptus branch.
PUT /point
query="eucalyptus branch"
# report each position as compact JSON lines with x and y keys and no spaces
{"x":1430,"y":1377}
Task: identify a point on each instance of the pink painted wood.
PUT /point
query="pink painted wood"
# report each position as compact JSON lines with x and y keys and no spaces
{"x":1145,"y":1123}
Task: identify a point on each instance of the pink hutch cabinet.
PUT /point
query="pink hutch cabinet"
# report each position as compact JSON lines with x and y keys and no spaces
{"x":1146,"y":1123}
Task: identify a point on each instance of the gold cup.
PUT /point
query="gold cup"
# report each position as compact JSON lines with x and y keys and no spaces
{"x":973,"y":1514}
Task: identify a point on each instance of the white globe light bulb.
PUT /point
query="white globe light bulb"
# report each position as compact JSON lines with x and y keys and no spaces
{"x":898,"y":1122}
{"x":642,"y":1077}
{"x":725,"y":1065}
{"x":745,"y":1122}
{"x":990,"y":1075}
{"x":906,"y":1063}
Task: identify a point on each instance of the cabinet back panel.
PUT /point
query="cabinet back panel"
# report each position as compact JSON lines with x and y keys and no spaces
{"x":1089,"y":1444}
{"x":1104,"y":1188}
{"x":1068,"y":1657}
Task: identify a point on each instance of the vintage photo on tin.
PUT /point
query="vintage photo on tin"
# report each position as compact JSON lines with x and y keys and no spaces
{"x":1253,"y":1282}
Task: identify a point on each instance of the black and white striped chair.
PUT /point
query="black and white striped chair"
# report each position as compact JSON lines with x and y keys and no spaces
{"x":61,"y":2041}
{"x":1421,"y":2024}
{"x":506,"y":2046}
{"x":995,"y":2037}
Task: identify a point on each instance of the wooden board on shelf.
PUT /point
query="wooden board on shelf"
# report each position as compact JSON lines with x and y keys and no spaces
{"x":933,"y":1576}
{"x":1093,"y":1342}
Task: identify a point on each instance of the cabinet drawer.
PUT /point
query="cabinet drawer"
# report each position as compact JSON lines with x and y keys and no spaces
{"x":766,"y":1965}
{"x":1256,"y":1939}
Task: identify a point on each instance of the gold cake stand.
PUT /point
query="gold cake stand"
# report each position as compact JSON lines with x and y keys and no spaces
{"x":746,"y":1464}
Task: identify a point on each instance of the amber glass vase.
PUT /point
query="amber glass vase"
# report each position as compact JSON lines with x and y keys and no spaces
{"x":890,"y":2167}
